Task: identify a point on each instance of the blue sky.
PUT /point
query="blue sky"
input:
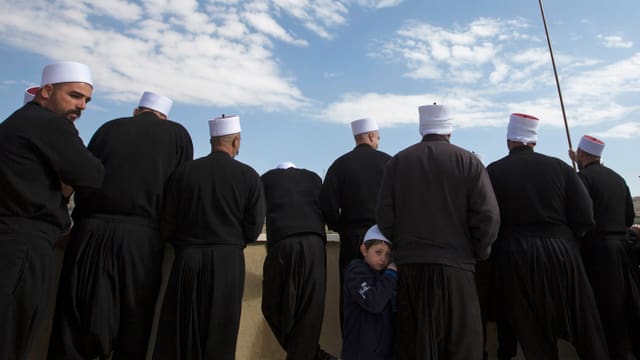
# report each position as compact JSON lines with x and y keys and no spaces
{"x":298,"y":71}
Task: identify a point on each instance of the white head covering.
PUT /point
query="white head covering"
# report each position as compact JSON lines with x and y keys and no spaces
{"x":435,"y":119}
{"x":66,"y":71}
{"x":157,"y":102}
{"x":224,"y":125}
{"x":362,"y":126}
{"x":523,"y":128}
{"x":30,"y":94}
{"x":286,"y":165}
{"x":591,"y":145}
{"x":374,"y":233}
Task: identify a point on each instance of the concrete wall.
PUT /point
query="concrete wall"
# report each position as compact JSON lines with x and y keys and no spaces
{"x":255,"y":340}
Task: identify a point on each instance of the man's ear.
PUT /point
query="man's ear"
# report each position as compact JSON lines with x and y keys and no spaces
{"x":47,"y":91}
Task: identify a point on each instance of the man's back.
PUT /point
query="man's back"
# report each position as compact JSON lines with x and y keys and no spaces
{"x":437,"y":204}
{"x":612,"y":203}
{"x":292,"y":203}
{"x":139,"y":153}
{"x":214,"y":200}
{"x":536,"y":190}
{"x":348,"y":196}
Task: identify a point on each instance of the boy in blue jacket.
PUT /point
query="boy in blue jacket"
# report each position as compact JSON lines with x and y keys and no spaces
{"x":369,"y":301}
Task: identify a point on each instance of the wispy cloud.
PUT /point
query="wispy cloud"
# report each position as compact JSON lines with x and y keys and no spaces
{"x":490,"y":68}
{"x":378,"y":4}
{"x":463,"y":54}
{"x":615,"y":41}
{"x":219,"y":52}
{"x":626,"y":130}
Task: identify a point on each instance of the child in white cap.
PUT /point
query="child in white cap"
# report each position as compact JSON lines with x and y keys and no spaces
{"x":369,"y":300}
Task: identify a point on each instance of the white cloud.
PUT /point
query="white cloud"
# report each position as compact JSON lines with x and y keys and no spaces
{"x":465,"y":54}
{"x":625,"y":131}
{"x":178,"y":48}
{"x":615,"y":41}
{"x":496,"y":67}
{"x":378,"y":4}
{"x":395,"y":109}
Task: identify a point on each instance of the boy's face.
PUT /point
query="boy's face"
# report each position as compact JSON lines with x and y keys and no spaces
{"x":377,"y":256}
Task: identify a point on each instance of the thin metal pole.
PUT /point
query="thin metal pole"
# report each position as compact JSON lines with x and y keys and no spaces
{"x":555,"y":73}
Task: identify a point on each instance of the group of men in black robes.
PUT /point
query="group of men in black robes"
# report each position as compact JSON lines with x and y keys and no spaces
{"x":137,"y":188}
{"x":557,"y":270}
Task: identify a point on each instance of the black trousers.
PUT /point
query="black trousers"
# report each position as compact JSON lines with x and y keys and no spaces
{"x":613,"y":277}
{"x":547,"y":294}
{"x":438,"y":313}
{"x":491,"y":309}
{"x":108,"y":289}
{"x":293,"y":293}
{"x":200,"y":315}
{"x":26,"y":280}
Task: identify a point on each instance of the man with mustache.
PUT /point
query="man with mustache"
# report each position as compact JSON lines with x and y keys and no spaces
{"x":39,"y":149}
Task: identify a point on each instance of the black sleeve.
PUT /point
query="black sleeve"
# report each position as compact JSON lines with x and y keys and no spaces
{"x":385,"y":214}
{"x":330,"y":199}
{"x":369,"y":295}
{"x":70,"y":159}
{"x":169,"y":207}
{"x":630,"y":214}
{"x":579,"y":206}
{"x":255,"y":212}
{"x":483,"y":213}
{"x":185,"y":148}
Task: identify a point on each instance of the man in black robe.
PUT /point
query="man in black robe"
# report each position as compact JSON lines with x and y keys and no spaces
{"x":294,"y":275}
{"x":347,"y":198}
{"x":605,"y":250}
{"x":214,"y":206}
{"x":39,"y":149}
{"x":437,"y":207}
{"x":539,"y":273}
{"x":113,"y":262}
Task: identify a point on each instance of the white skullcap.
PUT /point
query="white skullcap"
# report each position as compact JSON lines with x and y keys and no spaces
{"x":157,"y":102}
{"x":66,"y":71}
{"x":224,"y":125}
{"x":30,"y":94}
{"x":523,"y":128}
{"x":362,"y":126}
{"x":374,"y":234}
{"x":286,"y":165}
{"x":435,"y":119}
{"x":591,"y":145}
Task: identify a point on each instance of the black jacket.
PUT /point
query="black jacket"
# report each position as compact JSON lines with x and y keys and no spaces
{"x":139,"y":153}
{"x":38,"y":150}
{"x":537,"y":191}
{"x":368,"y":303}
{"x":348,"y":196}
{"x":292,"y":203}
{"x":213,"y":200}
{"x":437,"y":206}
